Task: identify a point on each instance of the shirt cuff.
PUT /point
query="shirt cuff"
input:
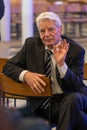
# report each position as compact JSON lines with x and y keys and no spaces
{"x":21,"y":76}
{"x":62,"y":70}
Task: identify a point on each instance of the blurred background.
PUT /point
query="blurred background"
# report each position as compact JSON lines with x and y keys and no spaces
{"x":18,"y":22}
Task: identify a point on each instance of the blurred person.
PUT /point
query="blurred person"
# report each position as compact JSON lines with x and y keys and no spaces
{"x":8,"y":118}
{"x":66,"y":75}
{"x":2,"y":8}
{"x":12,"y":120}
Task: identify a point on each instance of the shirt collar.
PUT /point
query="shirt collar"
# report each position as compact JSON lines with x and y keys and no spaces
{"x":51,"y":49}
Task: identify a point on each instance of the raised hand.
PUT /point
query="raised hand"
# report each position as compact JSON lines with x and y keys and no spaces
{"x":60,"y":50}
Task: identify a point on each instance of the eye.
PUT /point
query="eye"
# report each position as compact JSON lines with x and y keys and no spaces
{"x":51,"y":29}
{"x":42,"y":31}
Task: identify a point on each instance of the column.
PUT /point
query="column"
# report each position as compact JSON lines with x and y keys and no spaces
{"x":27,"y":19}
{"x":5,"y":22}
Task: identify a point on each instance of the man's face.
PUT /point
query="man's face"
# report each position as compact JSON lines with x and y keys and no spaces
{"x":49,"y":32}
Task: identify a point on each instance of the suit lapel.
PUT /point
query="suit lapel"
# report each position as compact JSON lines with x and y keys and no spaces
{"x":40,"y":59}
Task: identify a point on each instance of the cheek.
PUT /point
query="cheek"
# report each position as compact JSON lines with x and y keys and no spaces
{"x":41,"y":37}
{"x":57,"y":35}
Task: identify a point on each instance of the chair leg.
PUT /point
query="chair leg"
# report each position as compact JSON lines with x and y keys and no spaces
{"x":7,"y":101}
{"x":0,"y":97}
{"x":3,"y":98}
{"x":14,"y":102}
{"x":27,"y":101}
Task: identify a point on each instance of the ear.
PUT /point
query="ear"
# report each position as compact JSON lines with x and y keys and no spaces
{"x":61,"y":28}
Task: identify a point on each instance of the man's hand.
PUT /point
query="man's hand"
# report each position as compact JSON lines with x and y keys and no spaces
{"x":60,"y":51}
{"x":34,"y":81}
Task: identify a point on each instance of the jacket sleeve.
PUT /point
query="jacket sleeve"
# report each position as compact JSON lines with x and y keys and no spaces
{"x":73,"y":80}
{"x":16,"y":64}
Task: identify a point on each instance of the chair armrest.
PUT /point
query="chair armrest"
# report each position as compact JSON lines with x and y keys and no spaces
{"x":9,"y":86}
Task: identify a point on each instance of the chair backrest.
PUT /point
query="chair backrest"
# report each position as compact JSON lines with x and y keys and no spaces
{"x":2,"y":63}
{"x":85,"y":71}
{"x":73,"y":7}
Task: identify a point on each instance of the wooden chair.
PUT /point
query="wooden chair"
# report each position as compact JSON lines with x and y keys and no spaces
{"x":18,"y":90}
{"x":85,"y":71}
{"x":2,"y":63}
{"x":6,"y":82}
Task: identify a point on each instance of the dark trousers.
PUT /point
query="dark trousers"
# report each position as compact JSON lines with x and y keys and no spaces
{"x":68,"y":112}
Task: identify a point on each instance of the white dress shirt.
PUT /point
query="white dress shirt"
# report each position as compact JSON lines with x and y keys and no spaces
{"x":62,"y":70}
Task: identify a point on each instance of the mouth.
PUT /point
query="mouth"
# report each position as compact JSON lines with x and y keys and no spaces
{"x":48,"y":40}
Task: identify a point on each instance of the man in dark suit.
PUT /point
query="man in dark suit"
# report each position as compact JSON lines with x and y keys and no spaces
{"x":67,"y":61}
{"x":1,"y":8}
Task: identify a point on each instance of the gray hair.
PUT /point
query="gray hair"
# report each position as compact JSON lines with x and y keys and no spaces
{"x":48,"y":15}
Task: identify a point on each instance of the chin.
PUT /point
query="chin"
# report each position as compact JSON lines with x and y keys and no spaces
{"x":49,"y":44}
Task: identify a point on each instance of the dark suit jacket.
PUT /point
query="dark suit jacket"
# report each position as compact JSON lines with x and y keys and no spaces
{"x":1,"y":8}
{"x":31,"y":57}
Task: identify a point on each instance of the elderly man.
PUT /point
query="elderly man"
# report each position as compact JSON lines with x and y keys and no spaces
{"x":60,"y":58}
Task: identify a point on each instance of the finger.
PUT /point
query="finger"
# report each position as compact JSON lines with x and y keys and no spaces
{"x":36,"y":84}
{"x":55,"y":49}
{"x":33,"y":89}
{"x":40,"y":87}
{"x":37,"y":88}
{"x":65,"y":44}
{"x":41,"y":81}
{"x":67,"y":47}
{"x":40,"y":75}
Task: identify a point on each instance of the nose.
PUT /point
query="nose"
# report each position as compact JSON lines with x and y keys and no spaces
{"x":46,"y":33}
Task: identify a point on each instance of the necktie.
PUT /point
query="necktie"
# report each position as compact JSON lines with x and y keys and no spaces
{"x":48,"y":63}
{"x":48,"y":74}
